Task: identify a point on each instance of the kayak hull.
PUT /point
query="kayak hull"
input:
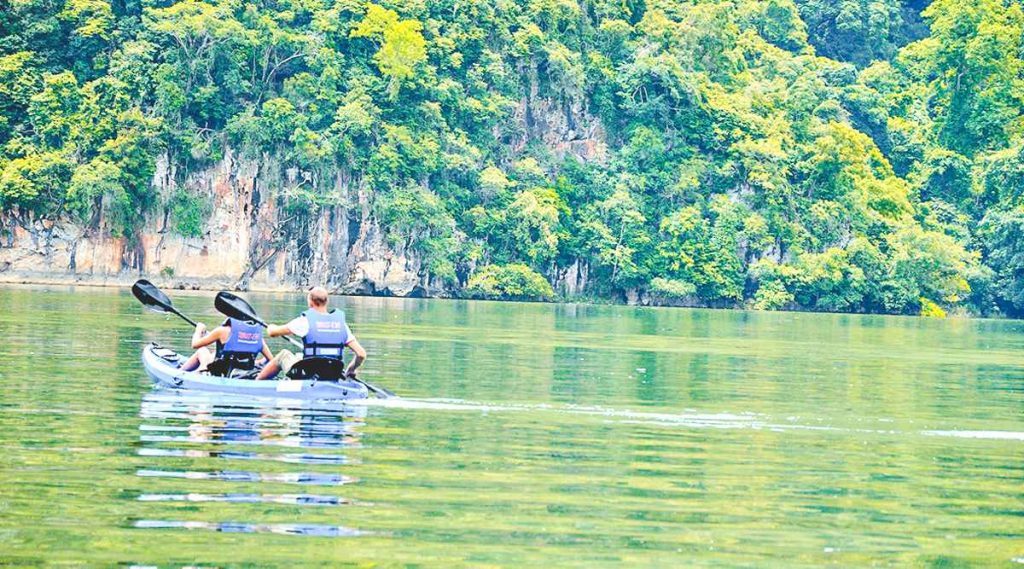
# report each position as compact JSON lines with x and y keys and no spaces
{"x":161,"y":364}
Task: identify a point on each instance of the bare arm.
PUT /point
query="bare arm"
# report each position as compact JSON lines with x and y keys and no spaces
{"x":266,"y":351}
{"x":360,"y":353}
{"x":200,"y":338}
{"x":274,"y":331}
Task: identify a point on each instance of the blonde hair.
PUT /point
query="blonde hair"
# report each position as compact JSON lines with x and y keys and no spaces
{"x":318,"y":296}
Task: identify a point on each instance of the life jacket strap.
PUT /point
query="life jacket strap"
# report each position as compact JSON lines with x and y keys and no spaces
{"x":324,"y":350}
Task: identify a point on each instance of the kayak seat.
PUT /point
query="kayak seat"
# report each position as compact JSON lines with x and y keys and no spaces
{"x":226,"y":368}
{"x":315,"y":367}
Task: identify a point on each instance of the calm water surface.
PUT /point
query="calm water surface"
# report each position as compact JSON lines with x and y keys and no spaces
{"x":528,"y":435}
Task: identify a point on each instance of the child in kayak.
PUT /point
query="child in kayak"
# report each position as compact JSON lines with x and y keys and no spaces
{"x":238,"y":343}
{"x":324,"y":333}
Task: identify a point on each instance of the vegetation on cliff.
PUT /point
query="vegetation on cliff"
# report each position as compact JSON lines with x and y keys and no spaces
{"x":851,"y":155}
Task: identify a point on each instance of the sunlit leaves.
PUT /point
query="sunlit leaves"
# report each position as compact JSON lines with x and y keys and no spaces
{"x":845,"y":166}
{"x":53,"y":110}
{"x":515,"y":280}
{"x":533,"y":218}
{"x":493,"y":182}
{"x":779,"y":22}
{"x":197,"y":27}
{"x":928,"y":264}
{"x":566,"y":71}
{"x":36,"y":182}
{"x":402,"y":46}
{"x":99,"y":182}
{"x":91,"y":17}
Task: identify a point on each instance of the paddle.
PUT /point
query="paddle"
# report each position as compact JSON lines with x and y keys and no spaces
{"x":154,"y":299}
{"x":233,"y":306}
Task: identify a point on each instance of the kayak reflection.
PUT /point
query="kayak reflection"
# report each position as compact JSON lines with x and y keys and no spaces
{"x":237,"y":527}
{"x":195,"y":443}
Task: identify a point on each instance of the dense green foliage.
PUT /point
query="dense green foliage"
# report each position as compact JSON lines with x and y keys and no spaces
{"x":515,"y":281}
{"x":853,"y":155}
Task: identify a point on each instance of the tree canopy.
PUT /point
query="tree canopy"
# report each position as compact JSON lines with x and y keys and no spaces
{"x":853,"y":155}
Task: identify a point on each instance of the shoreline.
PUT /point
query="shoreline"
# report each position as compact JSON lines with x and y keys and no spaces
{"x":108,"y":281}
{"x":125,"y":281}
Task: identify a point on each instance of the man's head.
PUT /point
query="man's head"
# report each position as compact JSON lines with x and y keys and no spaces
{"x":317,"y":298}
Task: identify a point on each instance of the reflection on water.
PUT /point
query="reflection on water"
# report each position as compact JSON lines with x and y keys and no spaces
{"x":292,"y":499}
{"x":244,"y":476}
{"x":237,"y":527}
{"x":238,"y":455}
{"x":527,"y":435}
{"x":180,"y":425}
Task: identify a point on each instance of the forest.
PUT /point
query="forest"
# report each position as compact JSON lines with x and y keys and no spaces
{"x":828,"y":155}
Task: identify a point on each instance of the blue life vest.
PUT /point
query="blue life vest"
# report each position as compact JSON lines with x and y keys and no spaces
{"x":327,"y":334}
{"x":244,"y":342}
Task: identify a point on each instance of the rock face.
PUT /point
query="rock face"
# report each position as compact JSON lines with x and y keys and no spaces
{"x":259,"y":233}
{"x":250,"y":239}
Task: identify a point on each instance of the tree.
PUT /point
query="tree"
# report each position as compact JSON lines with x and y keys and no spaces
{"x":514,"y":282}
{"x":401,"y":45}
{"x":1003,"y":234}
{"x":858,"y":31}
{"x":35,"y":183}
{"x":975,"y":54}
{"x":18,"y":81}
{"x":416,"y":219}
{"x":533,"y":218}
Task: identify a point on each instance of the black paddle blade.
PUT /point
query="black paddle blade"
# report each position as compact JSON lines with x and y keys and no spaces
{"x":154,"y":299}
{"x":235,"y":307}
{"x":150,"y":296}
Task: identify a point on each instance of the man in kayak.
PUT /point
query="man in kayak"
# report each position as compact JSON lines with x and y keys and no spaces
{"x":238,"y":343}
{"x":324,"y":333}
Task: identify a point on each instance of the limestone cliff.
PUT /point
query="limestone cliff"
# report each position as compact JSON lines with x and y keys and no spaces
{"x":249,"y":238}
{"x":261,"y":233}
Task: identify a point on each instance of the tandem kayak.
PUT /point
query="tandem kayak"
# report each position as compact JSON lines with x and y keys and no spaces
{"x":162,"y":365}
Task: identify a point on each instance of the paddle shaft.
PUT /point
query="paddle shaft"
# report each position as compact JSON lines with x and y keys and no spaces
{"x":185,"y":318}
{"x":293,"y":341}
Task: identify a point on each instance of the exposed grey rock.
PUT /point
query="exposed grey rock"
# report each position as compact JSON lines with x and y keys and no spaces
{"x":262,"y":233}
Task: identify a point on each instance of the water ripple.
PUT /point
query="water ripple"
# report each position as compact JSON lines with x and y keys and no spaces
{"x":290,"y":499}
{"x":329,"y":459}
{"x":312,"y":478}
{"x":316,"y":530}
{"x":290,"y":442}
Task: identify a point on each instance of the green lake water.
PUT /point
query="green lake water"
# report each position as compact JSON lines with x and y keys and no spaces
{"x":527,"y":435}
